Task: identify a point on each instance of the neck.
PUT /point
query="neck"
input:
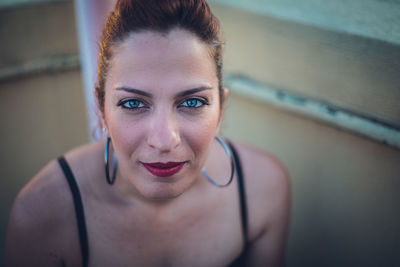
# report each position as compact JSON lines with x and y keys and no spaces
{"x":126,"y":192}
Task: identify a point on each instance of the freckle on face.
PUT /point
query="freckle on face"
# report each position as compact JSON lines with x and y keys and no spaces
{"x":162,"y":66}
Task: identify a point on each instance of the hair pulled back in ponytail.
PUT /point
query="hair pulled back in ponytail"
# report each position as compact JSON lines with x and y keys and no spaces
{"x":161,"y":16}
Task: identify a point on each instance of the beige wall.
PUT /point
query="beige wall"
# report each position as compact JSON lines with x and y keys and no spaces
{"x":42,"y":115}
{"x":41,"y":118}
{"x":349,"y":71}
{"x":345,"y":188}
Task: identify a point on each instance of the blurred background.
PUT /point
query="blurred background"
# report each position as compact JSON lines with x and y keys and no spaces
{"x":316,"y":83}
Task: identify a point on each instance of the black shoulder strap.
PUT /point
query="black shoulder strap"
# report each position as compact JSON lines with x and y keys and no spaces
{"x":242,"y":193}
{"x":80,"y":214}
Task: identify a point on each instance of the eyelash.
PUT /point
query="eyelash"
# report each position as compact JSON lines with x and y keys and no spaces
{"x":140,"y":105}
{"x":203,"y":102}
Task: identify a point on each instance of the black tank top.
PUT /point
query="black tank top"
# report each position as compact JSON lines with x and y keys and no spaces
{"x":81,"y":222}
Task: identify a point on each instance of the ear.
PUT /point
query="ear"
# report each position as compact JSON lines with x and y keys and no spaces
{"x":102,"y":123}
{"x":225,"y":95}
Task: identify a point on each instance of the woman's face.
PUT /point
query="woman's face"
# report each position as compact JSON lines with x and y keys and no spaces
{"x":162,"y":111}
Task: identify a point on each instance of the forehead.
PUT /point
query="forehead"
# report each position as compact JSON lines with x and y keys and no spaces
{"x":148,"y":58}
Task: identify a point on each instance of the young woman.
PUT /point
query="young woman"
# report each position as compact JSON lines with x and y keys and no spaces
{"x":163,"y":189}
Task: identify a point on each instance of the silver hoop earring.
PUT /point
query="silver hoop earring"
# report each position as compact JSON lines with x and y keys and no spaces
{"x":229,"y":154}
{"x":110,"y":180}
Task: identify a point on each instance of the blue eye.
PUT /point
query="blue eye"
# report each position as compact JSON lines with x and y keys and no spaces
{"x":131,"y":104}
{"x":193,"y":103}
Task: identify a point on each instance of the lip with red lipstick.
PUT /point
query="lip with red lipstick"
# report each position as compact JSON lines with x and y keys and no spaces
{"x":164,"y":169}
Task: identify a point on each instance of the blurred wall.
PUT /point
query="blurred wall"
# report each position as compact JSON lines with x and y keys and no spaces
{"x":345,"y":188}
{"x":42,"y":107}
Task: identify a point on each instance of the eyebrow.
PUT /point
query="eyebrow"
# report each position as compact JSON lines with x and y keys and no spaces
{"x":134,"y":91}
{"x":180,"y":94}
{"x":193,"y":91}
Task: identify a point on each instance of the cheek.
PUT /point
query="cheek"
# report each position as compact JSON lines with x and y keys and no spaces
{"x":126,"y":135}
{"x":199,"y":134}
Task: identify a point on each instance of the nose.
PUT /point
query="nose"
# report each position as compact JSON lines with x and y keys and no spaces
{"x":163,"y":134}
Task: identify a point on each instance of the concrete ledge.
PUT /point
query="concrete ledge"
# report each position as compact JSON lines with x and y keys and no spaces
{"x":374,"y":19}
{"x":352,"y":72}
{"x":45,"y":65}
{"x":344,"y":119}
{"x":15,"y":3}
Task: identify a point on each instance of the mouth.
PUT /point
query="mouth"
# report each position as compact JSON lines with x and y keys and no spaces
{"x":163,"y":169}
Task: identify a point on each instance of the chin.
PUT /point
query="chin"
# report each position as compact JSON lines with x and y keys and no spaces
{"x":162,"y":191}
{"x":163,"y":196}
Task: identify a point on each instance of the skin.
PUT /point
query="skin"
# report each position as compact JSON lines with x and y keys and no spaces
{"x":163,"y":128}
{"x":147,"y":220}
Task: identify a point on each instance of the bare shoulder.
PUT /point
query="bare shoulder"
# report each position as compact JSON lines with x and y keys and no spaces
{"x":42,"y":222}
{"x":261,"y":161}
{"x":48,"y":192}
{"x":38,"y":199}
{"x":267,"y":188}
{"x":36,"y":218}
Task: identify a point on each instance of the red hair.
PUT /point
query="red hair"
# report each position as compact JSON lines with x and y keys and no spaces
{"x":161,"y":16}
